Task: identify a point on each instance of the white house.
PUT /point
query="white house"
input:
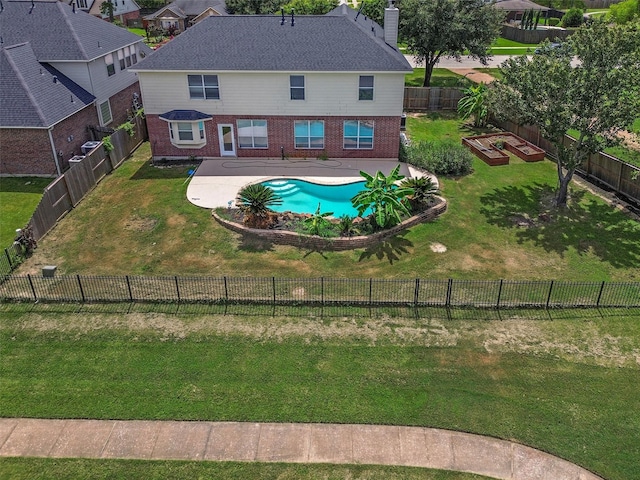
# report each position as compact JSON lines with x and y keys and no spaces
{"x":266,"y":86}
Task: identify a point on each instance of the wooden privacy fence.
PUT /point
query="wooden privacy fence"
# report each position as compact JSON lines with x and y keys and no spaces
{"x":66,"y":191}
{"x":621,"y":176}
{"x":320,"y":291}
{"x":431,"y":98}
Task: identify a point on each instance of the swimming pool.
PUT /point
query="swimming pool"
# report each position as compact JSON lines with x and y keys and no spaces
{"x":300,"y":196}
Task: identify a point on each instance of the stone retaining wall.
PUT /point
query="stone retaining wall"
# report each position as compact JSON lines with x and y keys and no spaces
{"x":285,"y":237}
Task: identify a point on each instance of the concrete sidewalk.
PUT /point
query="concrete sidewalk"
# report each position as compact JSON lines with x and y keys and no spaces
{"x":282,"y":442}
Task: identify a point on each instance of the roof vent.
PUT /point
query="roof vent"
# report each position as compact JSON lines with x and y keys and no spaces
{"x":283,"y":19}
{"x":55,"y":79}
{"x":293,"y":21}
{"x":33,"y":5}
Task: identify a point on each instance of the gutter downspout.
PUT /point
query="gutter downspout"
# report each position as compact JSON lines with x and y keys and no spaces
{"x":53,"y":149}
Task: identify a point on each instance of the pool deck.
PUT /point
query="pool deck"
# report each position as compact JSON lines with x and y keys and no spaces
{"x":216,"y":182}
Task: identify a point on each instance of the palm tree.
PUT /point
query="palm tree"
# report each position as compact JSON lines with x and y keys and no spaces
{"x":255,"y":201}
{"x":423,"y":190}
{"x":384,"y":197}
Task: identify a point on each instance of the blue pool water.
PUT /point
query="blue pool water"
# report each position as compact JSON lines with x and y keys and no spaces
{"x":299,"y":196}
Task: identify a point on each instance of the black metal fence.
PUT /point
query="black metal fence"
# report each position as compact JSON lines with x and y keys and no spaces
{"x":320,"y":291}
{"x":10,"y":258}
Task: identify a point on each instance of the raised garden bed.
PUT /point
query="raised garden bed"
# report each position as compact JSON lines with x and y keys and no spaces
{"x":486,"y":152}
{"x":485,"y":146}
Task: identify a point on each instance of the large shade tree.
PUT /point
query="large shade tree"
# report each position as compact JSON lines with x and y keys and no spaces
{"x":448,"y":28}
{"x":595,"y":97}
{"x":253,"y":7}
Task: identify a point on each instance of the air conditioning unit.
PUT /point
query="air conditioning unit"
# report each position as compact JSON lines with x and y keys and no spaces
{"x":76,"y":159}
{"x":87,"y":147}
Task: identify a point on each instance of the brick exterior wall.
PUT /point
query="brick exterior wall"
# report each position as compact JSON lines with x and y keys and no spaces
{"x":75,"y":126}
{"x":280,"y":134}
{"x":121,"y":104}
{"x":26,"y":151}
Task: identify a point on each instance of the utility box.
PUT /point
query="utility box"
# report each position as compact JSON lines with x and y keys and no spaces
{"x":49,"y":271}
{"x":403,"y":122}
{"x":76,"y":159}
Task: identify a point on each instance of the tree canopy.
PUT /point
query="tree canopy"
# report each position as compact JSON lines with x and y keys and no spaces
{"x":448,"y":28}
{"x":596,"y":96}
{"x":310,"y":7}
{"x":301,"y":7}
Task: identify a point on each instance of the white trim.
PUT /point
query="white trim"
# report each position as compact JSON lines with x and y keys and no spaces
{"x":223,"y":152}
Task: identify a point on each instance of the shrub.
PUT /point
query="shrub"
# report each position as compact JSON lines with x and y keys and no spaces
{"x":441,"y":158}
{"x":255,"y":201}
{"x":624,"y":12}
{"x":553,"y":22}
{"x":573,"y":18}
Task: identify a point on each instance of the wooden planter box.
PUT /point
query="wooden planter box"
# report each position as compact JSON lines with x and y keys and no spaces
{"x":490,"y":156}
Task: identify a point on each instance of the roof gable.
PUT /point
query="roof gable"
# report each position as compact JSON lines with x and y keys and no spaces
{"x":35,"y":95}
{"x":262,"y":43}
{"x":56,"y":33}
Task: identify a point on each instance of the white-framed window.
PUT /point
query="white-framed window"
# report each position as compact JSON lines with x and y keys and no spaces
{"x":203,"y":87}
{"x":188,"y":134}
{"x":252,"y":133}
{"x":105,"y":113}
{"x":108,"y":60}
{"x":134,"y":57}
{"x":296,"y":86}
{"x":358,"y":134}
{"x":82,"y":3}
{"x":121,"y":59}
{"x":309,"y":133}
{"x":365,"y":87}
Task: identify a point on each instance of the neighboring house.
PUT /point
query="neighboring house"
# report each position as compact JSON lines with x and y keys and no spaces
{"x":65,"y":74}
{"x":266,"y":86}
{"x":181,"y":14}
{"x":123,"y":10}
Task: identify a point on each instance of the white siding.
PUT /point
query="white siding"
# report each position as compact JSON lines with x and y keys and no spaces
{"x":268,"y":94}
{"x":76,"y":71}
{"x":105,"y":86}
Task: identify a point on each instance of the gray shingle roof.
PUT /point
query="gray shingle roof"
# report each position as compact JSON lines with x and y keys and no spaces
{"x":58,"y":34}
{"x":29,"y":97}
{"x":257,"y":42}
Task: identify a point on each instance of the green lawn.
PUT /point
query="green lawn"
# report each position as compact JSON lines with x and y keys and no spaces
{"x":147,"y":226}
{"x":564,"y":382}
{"x":19,"y":196}
{"x":138,"y":31}
{"x":495,"y":72}
{"x":61,"y":469}
{"x":502,"y":46}
{"x":441,"y":77}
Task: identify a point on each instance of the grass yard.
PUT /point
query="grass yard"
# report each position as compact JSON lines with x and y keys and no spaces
{"x":562,"y":381}
{"x":42,"y":469}
{"x":138,"y":221}
{"x":502,"y":46}
{"x":441,"y":77}
{"x":494,"y":72}
{"x":19,"y":196}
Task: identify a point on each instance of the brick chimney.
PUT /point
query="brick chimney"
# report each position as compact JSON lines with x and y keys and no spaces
{"x":391,"y":20}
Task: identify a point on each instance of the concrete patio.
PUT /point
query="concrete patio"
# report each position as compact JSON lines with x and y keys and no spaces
{"x":216,"y":182}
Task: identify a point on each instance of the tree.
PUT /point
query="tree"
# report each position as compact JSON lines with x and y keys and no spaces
{"x":448,"y":28}
{"x":624,"y":12}
{"x":473,"y":104}
{"x":106,"y":8}
{"x":253,"y":7}
{"x":384,"y":197}
{"x":597,"y":98}
{"x":310,"y":7}
{"x":256,"y":201}
{"x":374,"y":9}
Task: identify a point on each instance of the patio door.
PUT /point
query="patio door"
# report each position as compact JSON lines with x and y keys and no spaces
{"x":227,"y":140}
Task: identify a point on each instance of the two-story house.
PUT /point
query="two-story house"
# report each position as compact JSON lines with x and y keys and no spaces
{"x":270,"y":86}
{"x":181,"y":14}
{"x":64,"y":73}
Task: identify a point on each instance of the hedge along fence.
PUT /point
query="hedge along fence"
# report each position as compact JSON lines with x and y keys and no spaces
{"x":320,"y":291}
{"x":284,"y":237}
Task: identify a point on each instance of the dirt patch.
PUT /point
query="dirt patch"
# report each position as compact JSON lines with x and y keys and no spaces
{"x":140,"y":224}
